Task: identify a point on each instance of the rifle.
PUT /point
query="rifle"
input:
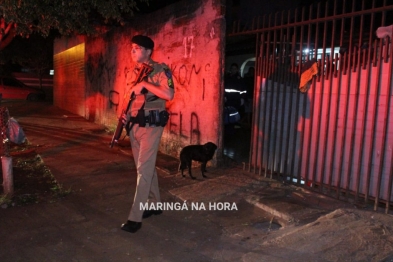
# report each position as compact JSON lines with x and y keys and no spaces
{"x":144,"y":71}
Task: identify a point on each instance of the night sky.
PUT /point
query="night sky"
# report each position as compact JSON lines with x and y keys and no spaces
{"x":245,"y":10}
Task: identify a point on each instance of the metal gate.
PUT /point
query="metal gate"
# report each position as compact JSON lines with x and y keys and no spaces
{"x":337,"y":136}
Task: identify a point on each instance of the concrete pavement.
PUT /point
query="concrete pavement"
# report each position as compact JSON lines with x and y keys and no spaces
{"x":227,"y":217}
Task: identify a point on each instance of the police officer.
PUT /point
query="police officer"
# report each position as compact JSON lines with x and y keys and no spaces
{"x":151,"y":95}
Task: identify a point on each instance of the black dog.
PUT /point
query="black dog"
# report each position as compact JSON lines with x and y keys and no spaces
{"x":200,"y":153}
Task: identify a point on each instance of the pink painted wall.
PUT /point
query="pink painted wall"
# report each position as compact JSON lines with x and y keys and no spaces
{"x":190,"y":38}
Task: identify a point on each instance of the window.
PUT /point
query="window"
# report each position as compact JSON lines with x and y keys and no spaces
{"x":11,"y":82}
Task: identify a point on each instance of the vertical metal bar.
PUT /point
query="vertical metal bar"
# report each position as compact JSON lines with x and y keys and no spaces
{"x":390,"y":185}
{"x":292,"y":69}
{"x":337,"y":102}
{"x":308,"y":158}
{"x":356,"y":109}
{"x":258,"y":118}
{"x":286,"y":76}
{"x":262,"y":102}
{"x":332,"y":75}
{"x":296,"y":110}
{"x":274,"y":76}
{"x":273,"y":106}
{"x":278,"y":80}
{"x":266,"y":73}
{"x":284,"y":97}
{"x":298,"y":96}
{"x":268,"y":121}
{"x":366,"y":105}
{"x":345,"y":115}
{"x":255,"y":105}
{"x":385,"y":124}
{"x":364,"y":57}
{"x":269,"y":97}
{"x":318,"y":131}
{"x":354,"y":57}
{"x":305,"y":97}
{"x":336,"y":65}
{"x":340,"y":73}
{"x":269,"y":77}
{"x":374,"y":115}
{"x":258,"y":105}
{"x":286,"y":51}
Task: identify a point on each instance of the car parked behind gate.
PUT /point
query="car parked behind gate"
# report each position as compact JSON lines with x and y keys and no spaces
{"x":11,"y":88}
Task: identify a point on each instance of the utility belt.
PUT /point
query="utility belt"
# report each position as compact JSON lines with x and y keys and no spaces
{"x":154,"y":118}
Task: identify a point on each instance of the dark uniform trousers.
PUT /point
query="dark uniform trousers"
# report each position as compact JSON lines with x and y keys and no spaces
{"x":144,"y":144}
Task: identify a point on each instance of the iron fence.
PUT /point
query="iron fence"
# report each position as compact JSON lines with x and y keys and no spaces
{"x":337,"y":137}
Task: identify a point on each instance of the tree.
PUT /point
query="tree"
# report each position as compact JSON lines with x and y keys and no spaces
{"x":25,"y":17}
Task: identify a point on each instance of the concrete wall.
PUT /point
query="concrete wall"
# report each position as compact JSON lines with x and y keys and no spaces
{"x":69,"y":74}
{"x":189,"y":37}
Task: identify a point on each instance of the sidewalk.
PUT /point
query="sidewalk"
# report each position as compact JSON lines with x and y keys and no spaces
{"x":272,"y":221}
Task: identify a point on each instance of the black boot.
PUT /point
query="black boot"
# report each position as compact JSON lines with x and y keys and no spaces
{"x":131,"y":226}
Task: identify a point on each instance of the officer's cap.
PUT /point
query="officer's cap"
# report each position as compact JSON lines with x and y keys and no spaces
{"x":143,"y":41}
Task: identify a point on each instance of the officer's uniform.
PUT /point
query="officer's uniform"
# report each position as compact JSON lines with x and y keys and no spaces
{"x":145,"y":141}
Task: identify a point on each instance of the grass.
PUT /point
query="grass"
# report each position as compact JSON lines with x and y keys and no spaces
{"x":33,"y":181}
